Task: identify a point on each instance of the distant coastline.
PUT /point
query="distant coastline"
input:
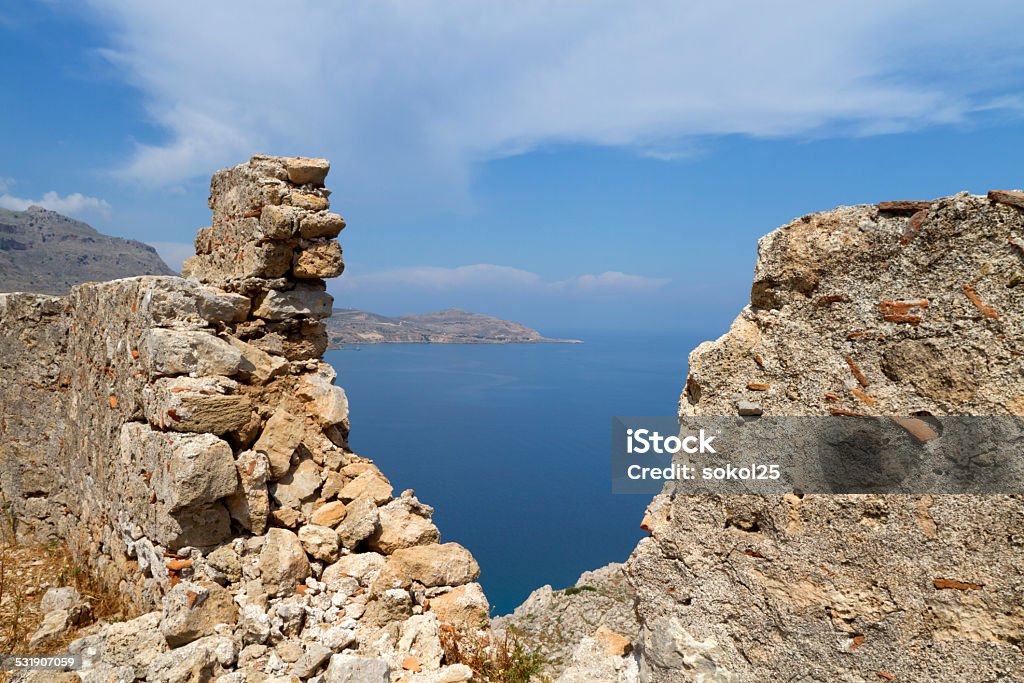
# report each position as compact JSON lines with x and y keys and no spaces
{"x":349,"y":326}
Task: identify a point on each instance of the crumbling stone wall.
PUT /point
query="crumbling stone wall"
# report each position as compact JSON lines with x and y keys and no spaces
{"x":184,"y":436}
{"x":903,"y":308}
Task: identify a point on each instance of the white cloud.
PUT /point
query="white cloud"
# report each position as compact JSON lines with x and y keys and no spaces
{"x":74,"y":204}
{"x":174,"y":253}
{"x":488,"y":277}
{"x":404,"y":96}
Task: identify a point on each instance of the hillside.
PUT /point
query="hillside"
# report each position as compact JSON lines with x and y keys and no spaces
{"x":451,"y":326}
{"x":42,"y":251}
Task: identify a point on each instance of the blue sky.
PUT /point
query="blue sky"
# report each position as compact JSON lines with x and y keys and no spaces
{"x":572,"y":165}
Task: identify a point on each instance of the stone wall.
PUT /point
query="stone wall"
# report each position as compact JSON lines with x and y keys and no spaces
{"x":184,"y":436}
{"x":897,"y":309}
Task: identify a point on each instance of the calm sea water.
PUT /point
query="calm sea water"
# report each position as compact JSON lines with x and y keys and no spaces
{"x":511,"y":444}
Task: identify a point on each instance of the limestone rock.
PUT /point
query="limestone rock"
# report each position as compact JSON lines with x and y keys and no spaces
{"x":182,"y":352}
{"x":303,"y":171}
{"x":134,"y":643}
{"x":325,"y":401}
{"x":225,"y":560}
{"x":319,"y":541}
{"x":302,"y":301}
{"x":354,"y":669}
{"x":447,"y":564}
{"x":558,"y":621}
{"x":257,"y":365}
{"x":419,"y":638}
{"x":390,"y":606}
{"x":253,"y":625}
{"x":200,"y":660}
{"x":66,"y":598}
{"x":186,"y":469}
{"x":311,"y":661}
{"x":593,"y":663}
{"x":249,"y":504}
{"x":300,"y":484}
{"x":361,"y":521}
{"x":329,"y":514}
{"x":280,"y":222}
{"x":322,"y":224}
{"x":309,"y":201}
{"x":55,"y":625}
{"x":202,"y":404}
{"x":462,"y":607}
{"x":371,"y":485}
{"x":281,"y":436}
{"x":192,"y":610}
{"x":401,"y":527}
{"x":283,"y":563}
{"x":318,"y":260}
{"x":364,"y":567}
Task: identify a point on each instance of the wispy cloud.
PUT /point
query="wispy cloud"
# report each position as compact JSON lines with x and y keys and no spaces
{"x":405,"y":97}
{"x":74,"y":204}
{"x":505,"y":279}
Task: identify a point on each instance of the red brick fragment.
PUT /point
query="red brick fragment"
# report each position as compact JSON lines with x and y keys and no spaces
{"x":863,"y":396}
{"x":759,"y":360}
{"x":917,"y":428}
{"x":758,"y":386}
{"x":829,"y":299}
{"x":903,"y":207}
{"x":905,"y":306}
{"x":953,"y":584}
{"x":858,"y":640}
{"x":1011,"y":197}
{"x":861,"y":379}
{"x":972,"y":294}
{"x":178,"y":565}
{"x":888,"y":677}
{"x":831,"y":397}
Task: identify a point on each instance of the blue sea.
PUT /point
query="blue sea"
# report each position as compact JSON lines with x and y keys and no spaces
{"x":511,"y":444}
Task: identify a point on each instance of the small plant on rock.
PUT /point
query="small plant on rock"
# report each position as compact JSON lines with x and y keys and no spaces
{"x":494,"y":658}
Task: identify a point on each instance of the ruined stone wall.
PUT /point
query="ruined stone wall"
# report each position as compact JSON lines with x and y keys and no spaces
{"x":893,"y":310}
{"x":183,"y":435}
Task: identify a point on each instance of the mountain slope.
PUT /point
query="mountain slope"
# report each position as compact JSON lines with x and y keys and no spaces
{"x":452,"y":326}
{"x":45,"y":252}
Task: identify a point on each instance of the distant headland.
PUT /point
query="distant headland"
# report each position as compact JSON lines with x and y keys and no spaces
{"x":452,"y":326}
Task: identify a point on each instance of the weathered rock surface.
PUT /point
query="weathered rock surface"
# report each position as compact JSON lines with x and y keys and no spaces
{"x":557,"y":622}
{"x":878,"y":313}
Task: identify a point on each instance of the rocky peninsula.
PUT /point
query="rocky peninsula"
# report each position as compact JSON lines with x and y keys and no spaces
{"x":450,"y":326}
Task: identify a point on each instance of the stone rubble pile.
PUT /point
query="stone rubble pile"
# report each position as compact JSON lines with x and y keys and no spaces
{"x":205,"y":466}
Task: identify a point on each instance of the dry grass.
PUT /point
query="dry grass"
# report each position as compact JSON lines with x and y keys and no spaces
{"x":493,"y":658}
{"x":26,"y":571}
